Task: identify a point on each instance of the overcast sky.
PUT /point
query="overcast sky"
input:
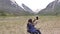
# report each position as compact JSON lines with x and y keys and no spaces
{"x":34,"y":4}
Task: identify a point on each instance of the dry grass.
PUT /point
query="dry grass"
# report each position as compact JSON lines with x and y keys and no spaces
{"x":17,"y":25}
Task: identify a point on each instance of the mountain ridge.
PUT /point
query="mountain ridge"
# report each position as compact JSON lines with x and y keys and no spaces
{"x":10,"y":7}
{"x":52,"y":8}
{"x":26,"y":8}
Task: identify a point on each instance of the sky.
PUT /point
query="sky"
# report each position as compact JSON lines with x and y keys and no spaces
{"x":35,"y":5}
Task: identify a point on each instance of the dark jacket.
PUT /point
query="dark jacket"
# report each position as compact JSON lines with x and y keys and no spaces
{"x":30,"y":27}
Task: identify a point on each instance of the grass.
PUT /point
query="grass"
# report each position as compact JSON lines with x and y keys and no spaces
{"x":17,"y":25}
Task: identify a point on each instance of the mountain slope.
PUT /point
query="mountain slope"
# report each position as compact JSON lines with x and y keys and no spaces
{"x":27,"y":9}
{"x":53,"y":8}
{"x":11,"y":7}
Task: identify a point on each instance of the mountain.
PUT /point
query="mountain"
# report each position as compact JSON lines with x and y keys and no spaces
{"x":10,"y":7}
{"x":52,"y":8}
{"x":27,"y":9}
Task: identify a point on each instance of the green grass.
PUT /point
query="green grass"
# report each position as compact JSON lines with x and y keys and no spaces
{"x":17,"y":25}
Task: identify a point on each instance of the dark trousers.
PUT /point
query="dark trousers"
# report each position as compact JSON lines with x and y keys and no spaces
{"x":36,"y":32}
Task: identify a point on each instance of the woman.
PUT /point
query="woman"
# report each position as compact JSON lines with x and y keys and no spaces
{"x":30,"y":27}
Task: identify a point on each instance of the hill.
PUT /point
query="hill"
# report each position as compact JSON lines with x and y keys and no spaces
{"x":53,"y":8}
{"x":10,"y":7}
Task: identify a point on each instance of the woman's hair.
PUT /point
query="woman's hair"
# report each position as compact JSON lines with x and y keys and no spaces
{"x":30,"y":20}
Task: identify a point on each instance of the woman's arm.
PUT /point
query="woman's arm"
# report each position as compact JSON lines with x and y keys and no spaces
{"x":34,"y":21}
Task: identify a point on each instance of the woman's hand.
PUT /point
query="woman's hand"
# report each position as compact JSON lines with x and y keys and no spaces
{"x":37,"y":18}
